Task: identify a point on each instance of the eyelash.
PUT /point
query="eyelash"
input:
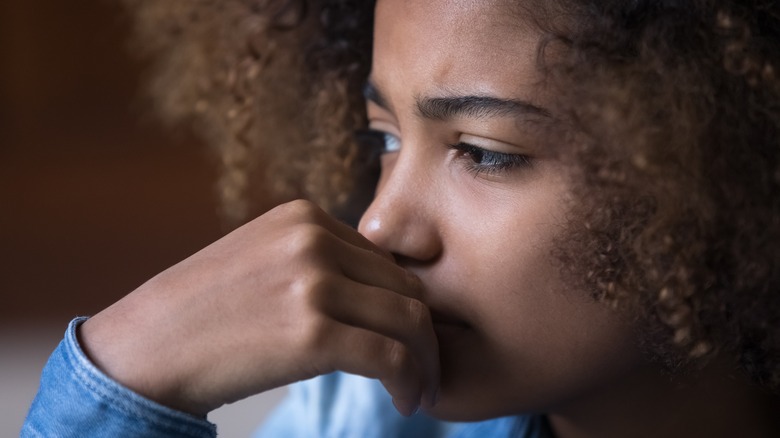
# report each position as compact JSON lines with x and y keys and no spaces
{"x":483,"y":161}
{"x":476,"y":160}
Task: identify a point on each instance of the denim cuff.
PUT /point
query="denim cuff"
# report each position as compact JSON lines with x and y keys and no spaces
{"x":75,"y":398}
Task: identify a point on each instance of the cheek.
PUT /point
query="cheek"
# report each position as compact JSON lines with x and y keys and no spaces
{"x":548,"y":341}
{"x":564,"y":353}
{"x":538,"y":338}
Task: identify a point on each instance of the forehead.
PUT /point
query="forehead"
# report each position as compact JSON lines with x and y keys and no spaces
{"x":475,"y":46}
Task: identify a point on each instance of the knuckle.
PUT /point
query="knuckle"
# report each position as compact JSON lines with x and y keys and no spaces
{"x":302,"y":209}
{"x":312,"y":290}
{"x":306,"y":238}
{"x":397,"y":358}
{"x":315,"y":331}
{"x":419,"y":316}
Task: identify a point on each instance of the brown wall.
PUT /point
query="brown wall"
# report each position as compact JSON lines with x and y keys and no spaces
{"x":94,"y":197}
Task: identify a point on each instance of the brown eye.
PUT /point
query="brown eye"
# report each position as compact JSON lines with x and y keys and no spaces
{"x":483,"y":160}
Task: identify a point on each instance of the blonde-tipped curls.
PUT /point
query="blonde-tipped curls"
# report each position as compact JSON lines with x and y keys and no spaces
{"x":672,"y":109}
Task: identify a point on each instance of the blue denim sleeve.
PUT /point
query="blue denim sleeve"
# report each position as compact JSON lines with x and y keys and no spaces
{"x":75,"y":399}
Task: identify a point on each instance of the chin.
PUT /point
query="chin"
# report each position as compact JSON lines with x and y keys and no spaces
{"x":471,"y":389}
{"x":468,"y":394}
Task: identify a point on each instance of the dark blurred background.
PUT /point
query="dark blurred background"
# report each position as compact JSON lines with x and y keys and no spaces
{"x":96,"y":197}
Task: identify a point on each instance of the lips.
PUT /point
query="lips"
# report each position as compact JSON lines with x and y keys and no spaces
{"x":444,"y":318}
{"x":447,"y":325}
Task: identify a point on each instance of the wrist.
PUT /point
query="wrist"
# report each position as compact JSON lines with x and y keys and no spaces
{"x":136,"y":364}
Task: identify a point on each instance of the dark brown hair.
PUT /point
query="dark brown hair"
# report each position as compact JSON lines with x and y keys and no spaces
{"x":672,"y":111}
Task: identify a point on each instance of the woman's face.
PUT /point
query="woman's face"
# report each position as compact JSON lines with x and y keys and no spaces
{"x":470,"y":200}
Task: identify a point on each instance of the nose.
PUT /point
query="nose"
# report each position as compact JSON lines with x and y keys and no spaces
{"x":402,"y":218}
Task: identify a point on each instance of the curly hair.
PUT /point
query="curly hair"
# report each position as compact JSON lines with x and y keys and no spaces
{"x":263,"y":80}
{"x":677,"y":175}
{"x":674,"y":110}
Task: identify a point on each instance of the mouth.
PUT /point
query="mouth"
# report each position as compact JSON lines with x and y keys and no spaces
{"x":446,"y":325}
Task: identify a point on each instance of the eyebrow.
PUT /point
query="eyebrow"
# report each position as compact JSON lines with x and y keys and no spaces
{"x":450,"y":107}
{"x":372,"y":93}
{"x":473,"y":106}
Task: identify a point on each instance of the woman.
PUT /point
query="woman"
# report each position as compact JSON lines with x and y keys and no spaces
{"x":572,"y":234}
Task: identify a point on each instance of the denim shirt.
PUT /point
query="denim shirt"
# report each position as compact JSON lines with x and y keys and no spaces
{"x":75,"y":399}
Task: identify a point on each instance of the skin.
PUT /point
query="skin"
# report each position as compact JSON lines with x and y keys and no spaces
{"x":481,"y":242}
{"x":446,"y":292}
{"x":291,"y":295}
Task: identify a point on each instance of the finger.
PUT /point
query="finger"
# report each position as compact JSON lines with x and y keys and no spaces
{"x":358,"y":257}
{"x":313,"y":244}
{"x":374,"y":270}
{"x":369,"y":354}
{"x":352,"y":236}
{"x":401,"y":318}
{"x":313,"y":214}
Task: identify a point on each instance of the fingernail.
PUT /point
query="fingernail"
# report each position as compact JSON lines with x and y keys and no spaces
{"x":407,"y":410}
{"x":413,"y":280}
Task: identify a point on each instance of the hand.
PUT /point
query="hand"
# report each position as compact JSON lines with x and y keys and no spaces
{"x":289,"y":296}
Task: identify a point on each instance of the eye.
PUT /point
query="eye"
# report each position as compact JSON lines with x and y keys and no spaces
{"x":376,"y":142}
{"x":478,"y":160}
